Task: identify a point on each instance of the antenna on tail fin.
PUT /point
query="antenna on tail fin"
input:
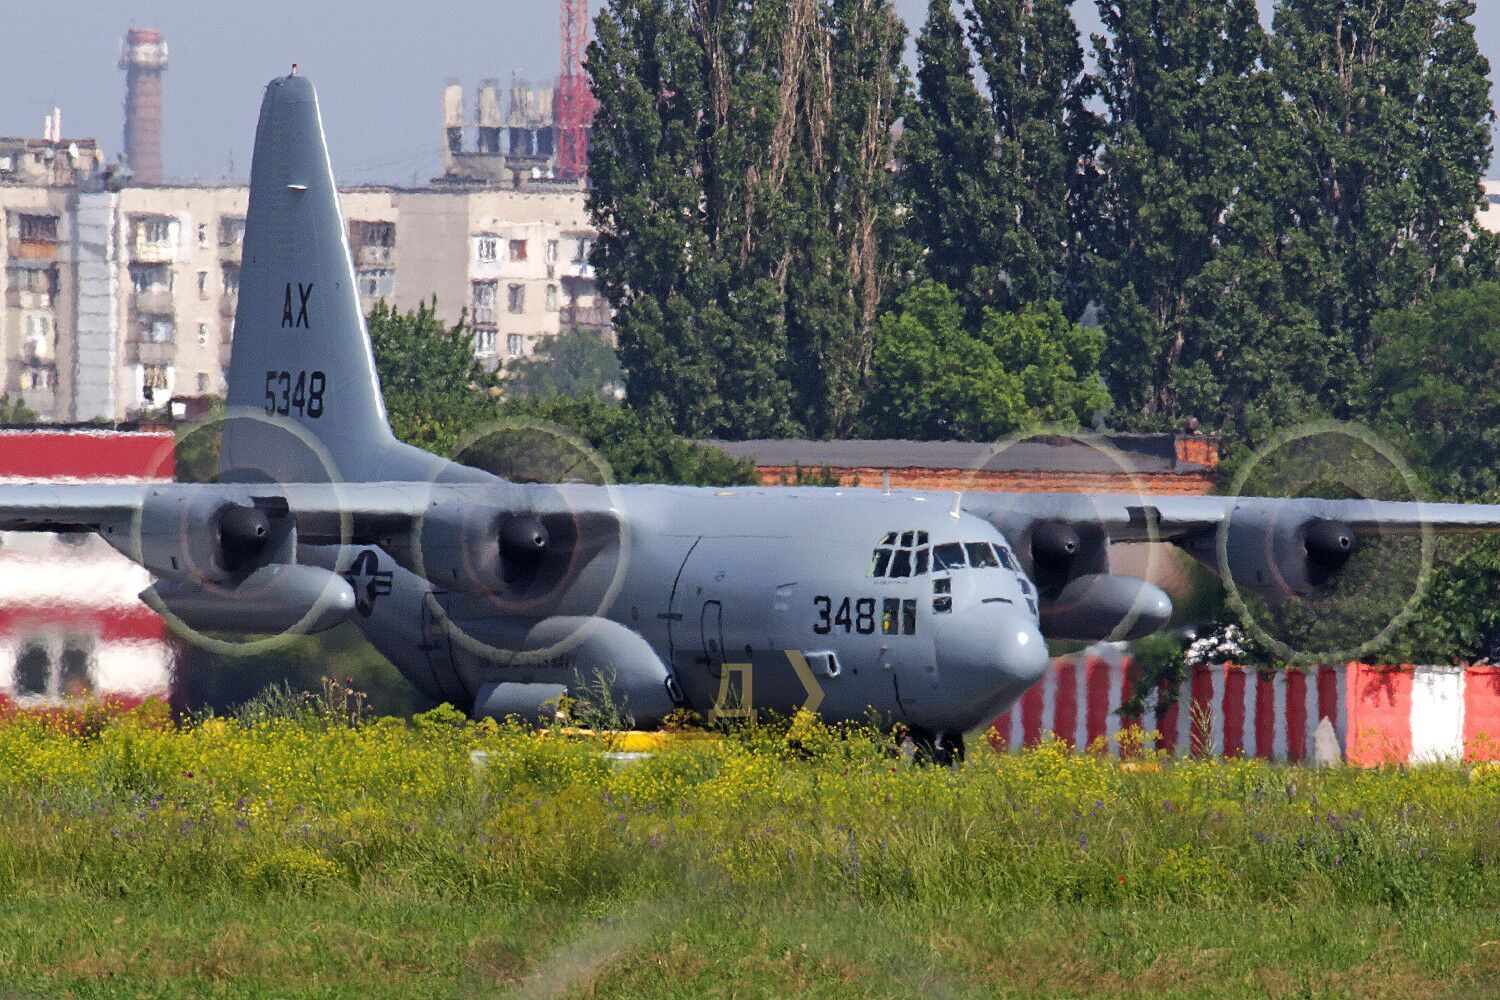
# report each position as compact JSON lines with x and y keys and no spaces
{"x":301,"y":355}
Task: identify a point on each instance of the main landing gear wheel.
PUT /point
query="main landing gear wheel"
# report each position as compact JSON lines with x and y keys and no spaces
{"x":942,"y":749}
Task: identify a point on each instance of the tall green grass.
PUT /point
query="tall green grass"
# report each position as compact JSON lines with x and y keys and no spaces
{"x":308,"y":804}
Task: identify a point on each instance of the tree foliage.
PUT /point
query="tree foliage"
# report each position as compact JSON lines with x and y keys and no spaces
{"x":935,"y":379}
{"x":575,"y":363}
{"x":1389,"y":108}
{"x":435,"y":389}
{"x":997,"y":175}
{"x":1436,"y":387}
{"x":741,"y":192}
{"x":637,"y":448}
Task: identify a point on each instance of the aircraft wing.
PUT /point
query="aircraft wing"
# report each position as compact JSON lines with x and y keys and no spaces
{"x":1129,"y":518}
{"x":325,"y":513}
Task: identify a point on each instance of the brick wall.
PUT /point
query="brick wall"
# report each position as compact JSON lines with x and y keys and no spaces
{"x":1162,"y":484}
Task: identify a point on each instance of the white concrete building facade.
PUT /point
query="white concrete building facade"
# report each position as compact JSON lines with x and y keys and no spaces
{"x":116,"y":301}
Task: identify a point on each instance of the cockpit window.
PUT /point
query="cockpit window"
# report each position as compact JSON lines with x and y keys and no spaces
{"x":949,"y":555}
{"x":981,"y":556}
{"x":901,"y":555}
{"x":1006,"y":559}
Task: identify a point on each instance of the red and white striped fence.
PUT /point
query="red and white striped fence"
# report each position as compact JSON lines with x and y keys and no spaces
{"x":71,"y":626}
{"x":1380,"y":715}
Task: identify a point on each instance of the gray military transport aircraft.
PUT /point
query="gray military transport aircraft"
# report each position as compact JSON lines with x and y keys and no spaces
{"x":930,"y":610}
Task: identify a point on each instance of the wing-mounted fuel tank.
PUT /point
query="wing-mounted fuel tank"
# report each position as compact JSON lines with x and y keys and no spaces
{"x":228,"y":566}
{"x":562,"y":654}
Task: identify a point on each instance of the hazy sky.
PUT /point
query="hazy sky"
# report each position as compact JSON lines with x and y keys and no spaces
{"x":380,"y":66}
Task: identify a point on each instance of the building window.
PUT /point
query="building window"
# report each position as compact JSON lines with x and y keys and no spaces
{"x":202,"y":236}
{"x":38,"y":330}
{"x":552,"y":251}
{"x":151,"y":279}
{"x":33,"y":672}
{"x":202,"y":284}
{"x":485,"y":293}
{"x":581,"y":252}
{"x":552,"y":303}
{"x":231,"y":275}
{"x":75,"y":670}
{"x":159,"y":231}
{"x":514,"y":344}
{"x":231,"y":231}
{"x":156,"y":380}
{"x":488,"y":249}
{"x":377,"y":282}
{"x":202,"y":334}
{"x":157,"y":329}
{"x":35,"y":280}
{"x":484,"y":341}
{"x":203,"y":383}
{"x":42,"y":377}
{"x":515,"y":298}
{"x":517,"y":250}
{"x":372,"y":234}
{"x":41,"y":228}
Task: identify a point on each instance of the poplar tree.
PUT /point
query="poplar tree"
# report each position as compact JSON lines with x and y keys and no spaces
{"x":998,"y":176}
{"x":1389,"y":104}
{"x":740,"y":185}
{"x":1191,"y":253}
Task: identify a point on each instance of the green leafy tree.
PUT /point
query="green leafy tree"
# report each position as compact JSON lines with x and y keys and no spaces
{"x":1436,"y":388}
{"x":575,"y":362}
{"x":997,"y":178}
{"x":636,"y":448}
{"x":1389,"y":108}
{"x":739,"y":182}
{"x":1193,"y":268}
{"x":15,"y":411}
{"x":936,"y":380}
{"x":435,"y":389}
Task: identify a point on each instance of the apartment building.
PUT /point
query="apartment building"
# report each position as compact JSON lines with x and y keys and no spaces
{"x":116,"y":301}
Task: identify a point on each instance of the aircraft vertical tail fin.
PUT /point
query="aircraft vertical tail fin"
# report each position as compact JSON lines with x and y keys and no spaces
{"x":301,"y":354}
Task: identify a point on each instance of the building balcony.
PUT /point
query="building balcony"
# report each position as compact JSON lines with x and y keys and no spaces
{"x":152,"y":253}
{"x":596,"y":317}
{"x":228,"y":303}
{"x":484,"y":315}
{"x":157,"y":301}
{"x":372,"y":256}
{"x":231,"y":252}
{"x":18,"y":298}
{"x":20,"y":249}
{"x":141,"y":352}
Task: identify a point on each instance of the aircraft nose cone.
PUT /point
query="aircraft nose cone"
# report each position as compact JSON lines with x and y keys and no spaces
{"x":992,"y":645}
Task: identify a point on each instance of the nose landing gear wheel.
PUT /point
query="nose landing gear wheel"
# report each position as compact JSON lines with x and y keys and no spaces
{"x":942,"y":749}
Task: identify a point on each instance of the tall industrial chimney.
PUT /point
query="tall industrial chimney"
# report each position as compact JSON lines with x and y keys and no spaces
{"x":143,"y":57}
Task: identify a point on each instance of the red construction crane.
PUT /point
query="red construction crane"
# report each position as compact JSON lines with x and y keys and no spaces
{"x":574,"y":103}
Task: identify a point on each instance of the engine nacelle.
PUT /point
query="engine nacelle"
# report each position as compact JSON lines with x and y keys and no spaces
{"x":1054,"y":553}
{"x":1099,"y":606}
{"x":195,"y":535}
{"x":271,"y":600}
{"x":1279,"y":552}
{"x":479,"y":549}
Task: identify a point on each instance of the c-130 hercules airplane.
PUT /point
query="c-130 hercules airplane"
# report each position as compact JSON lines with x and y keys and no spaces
{"x":930,"y":610}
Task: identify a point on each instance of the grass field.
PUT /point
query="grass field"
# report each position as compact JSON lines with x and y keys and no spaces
{"x":304,"y":856}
